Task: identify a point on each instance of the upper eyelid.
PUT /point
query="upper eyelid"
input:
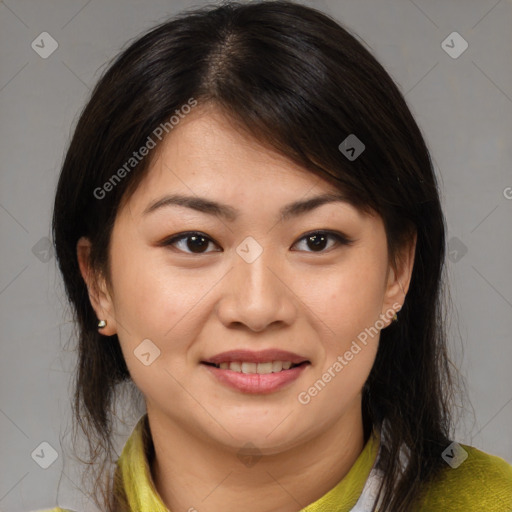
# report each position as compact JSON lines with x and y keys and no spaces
{"x":186,"y":234}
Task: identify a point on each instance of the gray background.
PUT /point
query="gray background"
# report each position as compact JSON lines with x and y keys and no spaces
{"x":463,"y":106}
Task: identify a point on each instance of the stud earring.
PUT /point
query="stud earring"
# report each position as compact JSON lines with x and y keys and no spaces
{"x":395,"y":318}
{"x":102,"y":324}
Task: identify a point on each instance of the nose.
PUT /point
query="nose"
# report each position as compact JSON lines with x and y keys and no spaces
{"x":256,"y":295}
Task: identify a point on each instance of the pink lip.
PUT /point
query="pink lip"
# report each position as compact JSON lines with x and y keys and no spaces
{"x":262,"y":356}
{"x":255,"y":383}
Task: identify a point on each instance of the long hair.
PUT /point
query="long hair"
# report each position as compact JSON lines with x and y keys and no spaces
{"x":297,"y":81}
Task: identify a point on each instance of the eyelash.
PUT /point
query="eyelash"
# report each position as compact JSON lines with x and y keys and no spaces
{"x":338,"y":237}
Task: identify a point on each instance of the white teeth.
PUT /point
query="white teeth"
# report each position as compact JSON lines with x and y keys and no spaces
{"x":236,"y":367}
{"x":260,"y":368}
{"x":249,"y":367}
{"x":277,"y":366}
{"x":264,"y":368}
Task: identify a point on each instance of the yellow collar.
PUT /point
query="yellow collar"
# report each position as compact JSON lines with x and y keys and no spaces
{"x":142,"y":496}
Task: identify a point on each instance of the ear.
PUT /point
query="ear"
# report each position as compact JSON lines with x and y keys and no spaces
{"x":399,"y":277}
{"x":99,"y":295}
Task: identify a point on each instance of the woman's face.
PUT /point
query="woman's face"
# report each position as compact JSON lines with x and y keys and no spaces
{"x":262,"y":274}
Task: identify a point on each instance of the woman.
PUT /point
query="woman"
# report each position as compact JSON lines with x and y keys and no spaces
{"x":249,"y":229}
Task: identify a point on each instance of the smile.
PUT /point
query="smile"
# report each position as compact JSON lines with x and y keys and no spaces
{"x":256,"y":378}
{"x":259,"y":368}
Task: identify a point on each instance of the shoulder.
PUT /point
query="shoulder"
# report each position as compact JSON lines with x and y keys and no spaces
{"x":480,"y":482}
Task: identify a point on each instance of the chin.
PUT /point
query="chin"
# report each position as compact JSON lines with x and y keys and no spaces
{"x":264,"y":435}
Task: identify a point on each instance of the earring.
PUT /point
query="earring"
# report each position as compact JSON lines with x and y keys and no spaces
{"x":395,"y":318}
{"x":102,"y":324}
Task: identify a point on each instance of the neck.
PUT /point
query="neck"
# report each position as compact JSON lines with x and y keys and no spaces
{"x":191,"y":472}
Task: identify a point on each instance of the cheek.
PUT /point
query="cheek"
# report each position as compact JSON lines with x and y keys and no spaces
{"x":142,"y":292}
{"x":350,"y":298}
{"x":153,"y":313}
{"x":348,"y":304}
{"x":151,"y":303}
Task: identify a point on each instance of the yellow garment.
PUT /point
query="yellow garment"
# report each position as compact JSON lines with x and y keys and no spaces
{"x":144,"y":498}
{"x":482,"y":482}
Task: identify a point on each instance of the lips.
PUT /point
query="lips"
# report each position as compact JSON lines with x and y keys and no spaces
{"x":249,"y":356}
{"x":262,"y":372}
{"x":255,"y":383}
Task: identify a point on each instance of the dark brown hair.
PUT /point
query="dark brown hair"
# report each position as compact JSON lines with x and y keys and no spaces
{"x":298,"y":82}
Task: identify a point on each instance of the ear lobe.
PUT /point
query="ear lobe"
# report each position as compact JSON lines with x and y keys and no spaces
{"x":97,"y":290}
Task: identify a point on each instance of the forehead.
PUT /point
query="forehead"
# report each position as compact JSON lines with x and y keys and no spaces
{"x":206,"y":154}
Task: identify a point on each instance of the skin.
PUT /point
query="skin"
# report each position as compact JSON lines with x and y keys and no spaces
{"x":195,"y":305}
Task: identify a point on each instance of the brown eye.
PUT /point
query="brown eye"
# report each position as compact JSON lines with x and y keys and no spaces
{"x":198,"y":243}
{"x":317,"y":241}
{"x":192,"y":243}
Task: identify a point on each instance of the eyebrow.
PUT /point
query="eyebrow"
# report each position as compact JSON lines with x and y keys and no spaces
{"x":221,"y":210}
